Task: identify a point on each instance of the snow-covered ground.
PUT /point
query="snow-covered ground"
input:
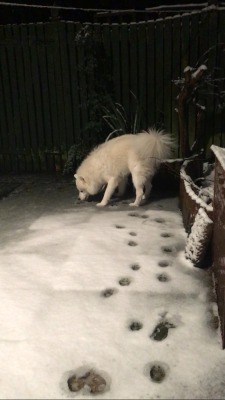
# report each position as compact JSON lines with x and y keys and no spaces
{"x":84,"y":288}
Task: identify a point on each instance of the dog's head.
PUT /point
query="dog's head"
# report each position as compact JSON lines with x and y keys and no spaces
{"x":81,"y":185}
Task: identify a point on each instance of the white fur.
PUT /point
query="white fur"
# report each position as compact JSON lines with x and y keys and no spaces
{"x":110,"y":164}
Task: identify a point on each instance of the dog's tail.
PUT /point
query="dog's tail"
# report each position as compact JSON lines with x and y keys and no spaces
{"x":159,"y":145}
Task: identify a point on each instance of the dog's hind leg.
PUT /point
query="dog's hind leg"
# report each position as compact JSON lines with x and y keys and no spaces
{"x":148,"y":188}
{"x":110,"y":188}
{"x":139,"y":182}
{"x":122,"y":186}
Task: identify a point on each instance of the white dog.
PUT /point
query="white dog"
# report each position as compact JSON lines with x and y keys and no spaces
{"x":111,"y":163}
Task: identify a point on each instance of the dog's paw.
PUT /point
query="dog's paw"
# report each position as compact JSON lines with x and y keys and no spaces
{"x":101,"y":204}
{"x":133,"y":205}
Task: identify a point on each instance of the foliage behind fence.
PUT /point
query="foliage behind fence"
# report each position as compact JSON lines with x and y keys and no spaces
{"x":56,"y":77}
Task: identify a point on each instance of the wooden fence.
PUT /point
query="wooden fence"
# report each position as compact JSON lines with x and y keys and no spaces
{"x":54,"y":75}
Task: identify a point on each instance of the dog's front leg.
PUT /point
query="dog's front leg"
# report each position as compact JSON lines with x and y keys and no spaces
{"x":111,"y":187}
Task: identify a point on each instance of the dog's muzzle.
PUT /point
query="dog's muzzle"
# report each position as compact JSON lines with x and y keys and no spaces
{"x":83,"y":196}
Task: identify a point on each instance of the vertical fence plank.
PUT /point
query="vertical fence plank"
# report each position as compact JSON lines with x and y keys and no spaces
{"x":176,"y":70}
{"x":168,"y":101}
{"x":80,"y":43}
{"x":31,"y":135}
{"x":115,"y":39}
{"x":22,"y":140}
{"x":185,"y":61}
{"x":213,"y":120}
{"x":133,"y":67}
{"x":41,"y":52}
{"x":150,"y":79}
{"x":193,"y":58}
{"x":53,"y":138}
{"x":37,"y":96}
{"x":56,"y":89}
{"x":106,"y":41}
{"x":202,"y":59}
{"x":4,"y":136}
{"x":185,"y":42}
{"x":97,"y":84}
{"x":142,"y":76}
{"x":133,"y":57}
{"x":17,"y":130}
{"x":3,"y":121}
{"x":7,"y":96}
{"x":63,"y":40}
{"x":73,"y":65}
{"x":125,"y":90}
{"x":194,"y":39}
{"x":159,"y":67}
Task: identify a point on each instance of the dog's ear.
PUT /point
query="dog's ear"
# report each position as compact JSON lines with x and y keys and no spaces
{"x":79,"y":177}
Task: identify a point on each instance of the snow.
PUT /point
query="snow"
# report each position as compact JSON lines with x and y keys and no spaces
{"x":187,"y":69}
{"x":58,"y":257}
{"x":220,"y":154}
{"x":189,"y":185}
{"x":199,"y":236}
{"x":203,"y":108}
{"x":206,"y":190}
{"x":200,"y":68}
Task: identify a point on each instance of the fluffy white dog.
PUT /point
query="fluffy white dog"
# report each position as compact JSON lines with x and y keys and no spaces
{"x":111,"y":163}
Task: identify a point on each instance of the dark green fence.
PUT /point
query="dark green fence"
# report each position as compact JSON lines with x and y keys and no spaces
{"x":53,"y":76}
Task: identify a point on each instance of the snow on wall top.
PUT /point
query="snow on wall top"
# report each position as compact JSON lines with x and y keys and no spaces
{"x":220,"y":154}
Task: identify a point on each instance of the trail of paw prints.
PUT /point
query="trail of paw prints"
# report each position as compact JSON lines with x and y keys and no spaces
{"x":126,"y":280}
{"x":168,"y":251}
{"x":131,"y":233}
{"x":131,"y":243}
{"x":156,"y":371}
